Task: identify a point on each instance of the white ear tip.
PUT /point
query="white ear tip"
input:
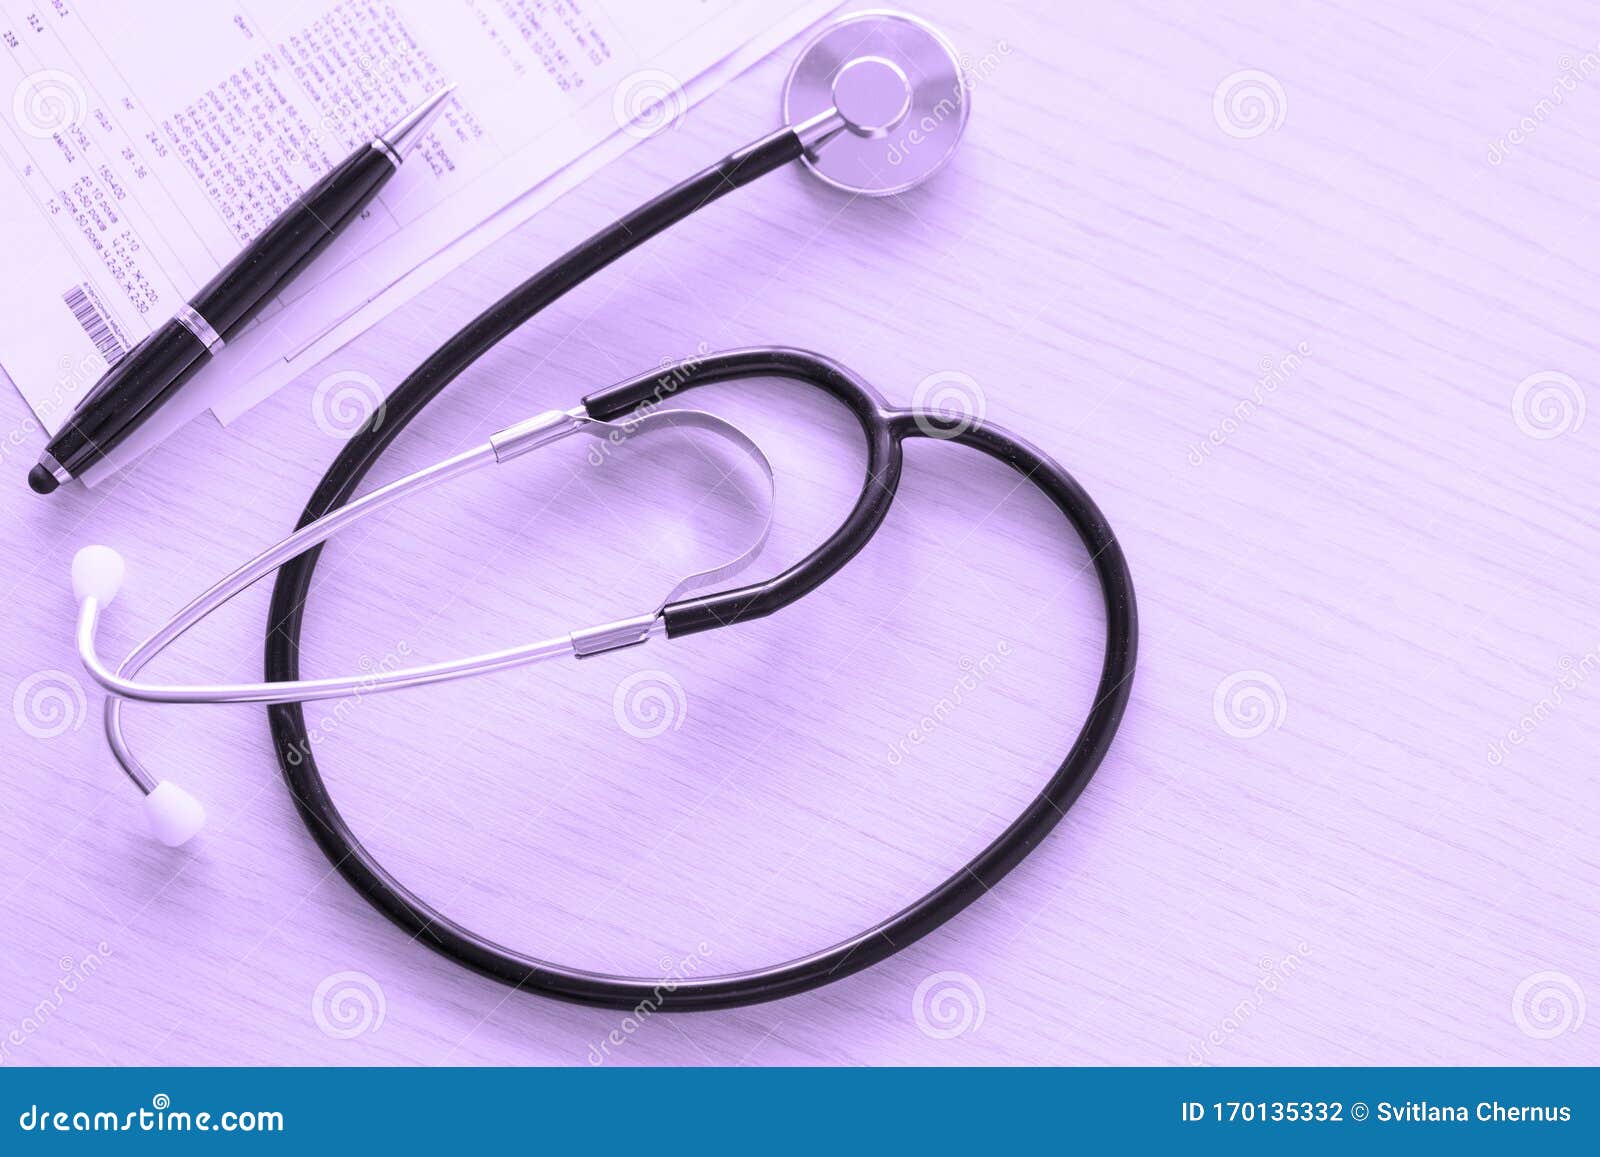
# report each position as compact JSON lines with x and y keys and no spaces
{"x":175,"y":817}
{"x":97,"y":571}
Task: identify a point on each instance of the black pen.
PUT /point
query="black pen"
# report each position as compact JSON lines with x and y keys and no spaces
{"x":150,"y":373}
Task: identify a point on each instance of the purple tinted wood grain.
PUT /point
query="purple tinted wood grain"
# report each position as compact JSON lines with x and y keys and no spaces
{"x":1302,"y":293}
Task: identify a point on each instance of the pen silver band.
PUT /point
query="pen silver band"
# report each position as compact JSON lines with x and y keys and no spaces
{"x":59,"y":472}
{"x":190,"y":319}
{"x":379,"y":145}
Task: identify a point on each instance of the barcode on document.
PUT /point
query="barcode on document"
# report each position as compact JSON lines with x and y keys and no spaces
{"x":94,"y":324}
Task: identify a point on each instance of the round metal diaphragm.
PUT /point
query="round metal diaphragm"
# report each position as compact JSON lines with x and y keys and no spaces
{"x":898,"y":84}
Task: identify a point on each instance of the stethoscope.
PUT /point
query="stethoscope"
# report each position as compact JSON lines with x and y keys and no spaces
{"x":875,"y":105}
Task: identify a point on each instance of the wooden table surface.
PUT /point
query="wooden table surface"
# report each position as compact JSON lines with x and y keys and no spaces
{"x":1302,"y":292}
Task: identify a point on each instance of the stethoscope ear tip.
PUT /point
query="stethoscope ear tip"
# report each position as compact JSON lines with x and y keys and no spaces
{"x":174,"y":816}
{"x":97,"y":573}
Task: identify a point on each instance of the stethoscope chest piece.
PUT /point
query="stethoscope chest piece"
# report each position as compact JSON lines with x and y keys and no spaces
{"x":898,"y":84}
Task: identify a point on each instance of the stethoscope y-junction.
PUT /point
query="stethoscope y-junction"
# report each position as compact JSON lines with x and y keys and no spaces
{"x":876,"y":104}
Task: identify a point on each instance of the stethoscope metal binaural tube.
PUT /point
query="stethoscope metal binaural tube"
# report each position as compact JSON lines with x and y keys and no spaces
{"x":98,"y":573}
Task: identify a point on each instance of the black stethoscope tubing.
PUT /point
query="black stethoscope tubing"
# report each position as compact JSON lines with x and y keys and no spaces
{"x":885,"y":429}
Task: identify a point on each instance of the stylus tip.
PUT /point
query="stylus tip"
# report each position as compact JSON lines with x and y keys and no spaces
{"x":41,"y":481}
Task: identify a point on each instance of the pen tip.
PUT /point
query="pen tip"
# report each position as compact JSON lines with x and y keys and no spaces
{"x":40,"y":480}
{"x":406,"y":133}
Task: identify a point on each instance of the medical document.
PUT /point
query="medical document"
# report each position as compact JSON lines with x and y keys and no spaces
{"x":146,"y":144}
